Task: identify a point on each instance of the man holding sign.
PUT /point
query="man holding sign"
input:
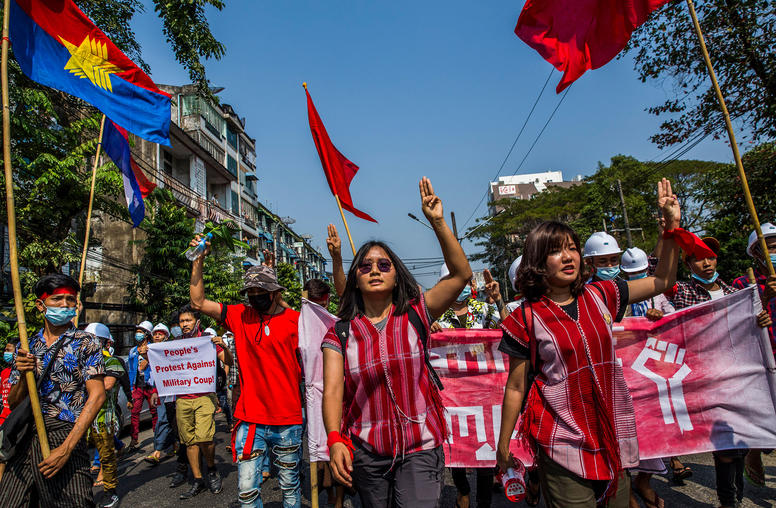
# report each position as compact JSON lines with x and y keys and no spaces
{"x":268,"y":413}
{"x":187,"y":368}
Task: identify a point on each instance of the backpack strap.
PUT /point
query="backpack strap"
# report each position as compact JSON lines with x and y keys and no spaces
{"x":528,"y":321}
{"x":422,"y":332}
{"x":342,"y":329}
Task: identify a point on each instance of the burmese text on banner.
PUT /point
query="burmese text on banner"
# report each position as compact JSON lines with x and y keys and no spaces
{"x":181,"y":367}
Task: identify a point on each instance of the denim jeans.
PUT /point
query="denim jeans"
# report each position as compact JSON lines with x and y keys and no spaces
{"x":284,"y":444}
{"x":163,"y":437}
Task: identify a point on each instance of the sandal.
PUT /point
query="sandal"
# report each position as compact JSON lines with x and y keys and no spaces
{"x":98,"y":483}
{"x":153,"y":460}
{"x":94,"y":469}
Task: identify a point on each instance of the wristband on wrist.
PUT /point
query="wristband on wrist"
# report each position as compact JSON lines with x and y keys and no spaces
{"x":668,"y":234}
{"x":336,"y":437}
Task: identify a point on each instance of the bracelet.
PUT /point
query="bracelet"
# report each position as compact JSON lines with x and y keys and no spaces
{"x":335,"y":437}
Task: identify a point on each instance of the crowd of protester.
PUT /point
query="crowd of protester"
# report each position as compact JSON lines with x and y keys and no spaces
{"x":382,"y":408}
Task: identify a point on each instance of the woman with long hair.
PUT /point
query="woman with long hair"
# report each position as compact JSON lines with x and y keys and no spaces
{"x":381,"y":405}
{"x":578,"y":415}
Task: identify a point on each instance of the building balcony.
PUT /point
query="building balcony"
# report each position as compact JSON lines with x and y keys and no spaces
{"x":208,"y":144}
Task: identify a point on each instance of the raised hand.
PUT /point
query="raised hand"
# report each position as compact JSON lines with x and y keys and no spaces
{"x":195,"y":241}
{"x":492,"y":287}
{"x":269,"y":258}
{"x":431,"y":203}
{"x":668,"y":204}
{"x":333,"y":242}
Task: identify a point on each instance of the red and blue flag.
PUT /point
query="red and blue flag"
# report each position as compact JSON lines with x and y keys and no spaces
{"x":58,"y":46}
{"x":115,"y":143}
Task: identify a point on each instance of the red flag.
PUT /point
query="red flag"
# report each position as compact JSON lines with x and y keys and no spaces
{"x":339,"y":170}
{"x":577,"y":35}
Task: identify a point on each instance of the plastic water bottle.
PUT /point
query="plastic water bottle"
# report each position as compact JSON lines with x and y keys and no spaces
{"x":194,"y":252}
{"x":513,"y":481}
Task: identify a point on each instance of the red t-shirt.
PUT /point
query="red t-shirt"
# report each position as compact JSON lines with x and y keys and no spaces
{"x":269,"y":369}
{"x":5,"y":389}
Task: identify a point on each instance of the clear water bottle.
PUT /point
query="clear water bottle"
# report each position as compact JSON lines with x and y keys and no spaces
{"x":513,"y":481}
{"x":194,"y":252}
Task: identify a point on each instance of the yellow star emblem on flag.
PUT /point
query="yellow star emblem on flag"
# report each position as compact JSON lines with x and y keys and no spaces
{"x":90,"y":60}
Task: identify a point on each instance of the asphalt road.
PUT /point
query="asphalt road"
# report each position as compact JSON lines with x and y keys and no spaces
{"x":141,"y":485}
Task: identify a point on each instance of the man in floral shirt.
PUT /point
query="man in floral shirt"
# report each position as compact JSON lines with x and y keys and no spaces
{"x":70,"y":398}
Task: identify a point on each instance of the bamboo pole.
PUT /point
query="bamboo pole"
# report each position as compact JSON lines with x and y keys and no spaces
{"x":32,"y":390}
{"x":314,"y":484}
{"x":347,"y":228}
{"x":89,"y":210}
{"x":731,"y":136}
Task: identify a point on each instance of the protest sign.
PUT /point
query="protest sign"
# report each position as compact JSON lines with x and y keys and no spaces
{"x":181,"y":367}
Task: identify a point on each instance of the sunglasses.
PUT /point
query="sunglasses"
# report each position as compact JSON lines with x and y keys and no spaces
{"x":383,"y":264}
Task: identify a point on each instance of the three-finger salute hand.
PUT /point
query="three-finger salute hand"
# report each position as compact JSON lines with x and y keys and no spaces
{"x":269,"y":258}
{"x":492,"y":287}
{"x":431,"y":203}
{"x":341,"y":464}
{"x":668,"y":204}
{"x":333,"y":242}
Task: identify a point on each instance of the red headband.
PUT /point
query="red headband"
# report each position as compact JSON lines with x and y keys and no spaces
{"x":59,"y":291}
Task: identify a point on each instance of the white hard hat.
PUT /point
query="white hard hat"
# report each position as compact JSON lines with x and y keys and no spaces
{"x":634,"y":260}
{"x":209,"y":331}
{"x":147,"y":326}
{"x":443,"y":271}
{"x":99,"y":330}
{"x":161,"y":327}
{"x":768,"y":229}
{"x":513,"y":271}
{"x":601,"y":244}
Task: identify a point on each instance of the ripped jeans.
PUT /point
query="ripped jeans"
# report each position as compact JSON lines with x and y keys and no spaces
{"x":283,"y":443}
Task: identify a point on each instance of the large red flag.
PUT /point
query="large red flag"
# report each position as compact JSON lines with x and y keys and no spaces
{"x":339,"y":170}
{"x":577,"y":35}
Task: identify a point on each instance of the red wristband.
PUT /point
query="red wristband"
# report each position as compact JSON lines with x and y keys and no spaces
{"x":336,"y":437}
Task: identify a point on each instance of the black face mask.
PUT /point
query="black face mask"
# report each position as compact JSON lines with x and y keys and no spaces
{"x":261,"y":303}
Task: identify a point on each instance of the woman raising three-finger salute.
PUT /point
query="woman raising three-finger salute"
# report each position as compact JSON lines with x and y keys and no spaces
{"x":381,"y":407}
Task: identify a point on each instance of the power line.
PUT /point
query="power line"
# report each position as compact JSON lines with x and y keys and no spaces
{"x":503,"y":163}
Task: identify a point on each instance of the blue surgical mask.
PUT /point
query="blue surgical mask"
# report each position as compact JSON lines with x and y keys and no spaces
{"x":59,"y":316}
{"x":139,"y":337}
{"x":465,"y":294}
{"x":608,"y":272}
{"x":642,"y":275}
{"x":705,"y":281}
{"x":8,"y":357}
{"x":773,"y":259}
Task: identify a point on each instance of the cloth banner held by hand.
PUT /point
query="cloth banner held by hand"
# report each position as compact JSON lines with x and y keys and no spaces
{"x":182,"y":367}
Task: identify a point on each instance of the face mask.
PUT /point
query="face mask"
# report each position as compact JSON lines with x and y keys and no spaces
{"x":608,"y":272}
{"x":261,"y":303}
{"x":706,"y":281}
{"x":59,"y":316}
{"x":7,"y":357}
{"x":176,"y":332}
{"x":111,"y":350}
{"x":139,"y":337}
{"x":465,"y":294}
{"x":638,"y":276}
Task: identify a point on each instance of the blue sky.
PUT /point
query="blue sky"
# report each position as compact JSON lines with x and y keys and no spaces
{"x":408,"y":89}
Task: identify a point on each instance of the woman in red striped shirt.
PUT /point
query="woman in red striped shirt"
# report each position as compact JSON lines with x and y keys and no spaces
{"x":381,"y":409}
{"x":578,"y":413}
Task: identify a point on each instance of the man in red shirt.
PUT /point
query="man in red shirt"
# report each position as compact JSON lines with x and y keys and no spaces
{"x":268,"y":415}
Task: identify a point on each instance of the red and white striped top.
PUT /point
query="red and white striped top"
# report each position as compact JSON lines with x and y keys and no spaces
{"x":579,"y":407}
{"x":389,"y":404}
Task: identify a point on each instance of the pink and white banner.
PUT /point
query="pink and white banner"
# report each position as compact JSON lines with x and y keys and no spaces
{"x":701,"y":379}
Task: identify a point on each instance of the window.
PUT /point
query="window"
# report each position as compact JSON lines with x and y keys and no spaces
{"x":231,"y":165}
{"x":235,"y":206}
{"x":231,"y":138}
{"x":167,"y":162}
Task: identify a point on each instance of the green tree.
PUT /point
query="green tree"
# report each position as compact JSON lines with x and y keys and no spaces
{"x":739,"y":35}
{"x":289,"y":279}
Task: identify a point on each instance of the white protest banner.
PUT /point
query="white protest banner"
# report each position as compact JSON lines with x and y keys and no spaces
{"x":181,"y":367}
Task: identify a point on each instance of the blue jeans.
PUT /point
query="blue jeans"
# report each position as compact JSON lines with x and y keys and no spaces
{"x":284,"y":444}
{"x":163,"y":437}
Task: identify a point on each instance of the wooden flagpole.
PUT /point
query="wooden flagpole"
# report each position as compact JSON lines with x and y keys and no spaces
{"x":32,"y":390}
{"x":89,"y":210}
{"x":731,"y":136}
{"x":347,"y":228}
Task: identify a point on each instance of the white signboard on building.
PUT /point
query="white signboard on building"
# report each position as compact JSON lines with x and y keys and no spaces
{"x":504,"y":190}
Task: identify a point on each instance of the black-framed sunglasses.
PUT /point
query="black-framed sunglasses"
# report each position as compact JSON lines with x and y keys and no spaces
{"x":383,"y":264}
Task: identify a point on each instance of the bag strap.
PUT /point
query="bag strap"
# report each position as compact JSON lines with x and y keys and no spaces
{"x":47,"y":370}
{"x":528,"y":321}
{"x":342,"y":329}
{"x":422,"y":332}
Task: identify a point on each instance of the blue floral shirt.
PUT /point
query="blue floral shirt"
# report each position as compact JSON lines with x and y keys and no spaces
{"x":63,"y":394}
